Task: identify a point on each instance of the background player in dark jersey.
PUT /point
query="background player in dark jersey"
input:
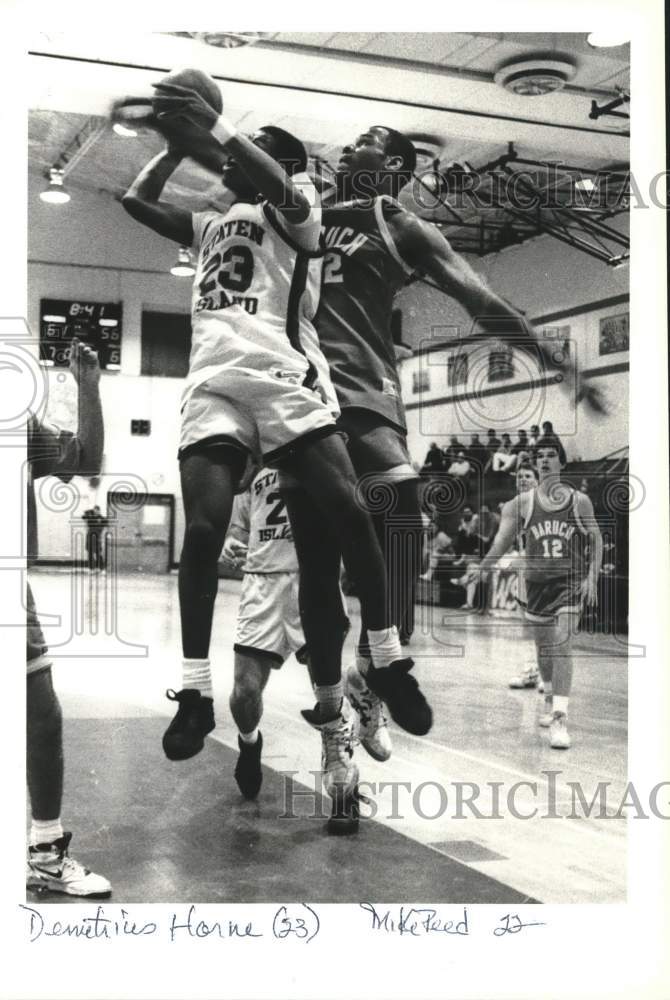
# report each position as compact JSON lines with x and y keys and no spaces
{"x":562,"y":565}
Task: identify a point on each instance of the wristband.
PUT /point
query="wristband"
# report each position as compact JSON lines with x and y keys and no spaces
{"x":223,"y":130}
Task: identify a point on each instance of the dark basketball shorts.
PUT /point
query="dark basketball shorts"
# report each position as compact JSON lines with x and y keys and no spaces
{"x":376,"y":444}
{"x":548,"y":597}
{"x":37,"y":651}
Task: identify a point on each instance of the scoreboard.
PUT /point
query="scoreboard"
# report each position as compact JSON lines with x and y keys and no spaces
{"x":97,"y":324}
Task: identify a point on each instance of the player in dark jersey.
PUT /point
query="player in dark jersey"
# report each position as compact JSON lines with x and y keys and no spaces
{"x":562,"y":565}
{"x":372,"y":246}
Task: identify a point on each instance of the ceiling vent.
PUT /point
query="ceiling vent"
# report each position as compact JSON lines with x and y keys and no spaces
{"x":535,"y":77}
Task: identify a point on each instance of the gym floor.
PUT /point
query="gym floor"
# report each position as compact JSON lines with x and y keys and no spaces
{"x":167,"y":832}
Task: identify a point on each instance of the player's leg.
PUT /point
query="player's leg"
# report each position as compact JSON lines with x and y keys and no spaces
{"x":251,"y":673}
{"x":209,"y":479}
{"x":324,"y":624}
{"x":553,"y":641}
{"x":49,"y":866}
{"x":324,"y":469}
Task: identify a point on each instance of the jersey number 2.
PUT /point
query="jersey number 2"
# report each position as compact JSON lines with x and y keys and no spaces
{"x":275,"y":516}
{"x":332,"y":268}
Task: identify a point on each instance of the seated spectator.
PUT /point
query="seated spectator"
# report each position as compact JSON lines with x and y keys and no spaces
{"x":492,"y":443}
{"x":534,"y":436}
{"x":521,"y":444}
{"x":434,"y":460}
{"x":439,"y":551}
{"x":477,"y":453}
{"x":548,"y":431}
{"x":467,"y":539}
{"x":486,"y":526}
{"x":460,"y":467}
{"x":451,"y":452}
{"x":504,"y":460}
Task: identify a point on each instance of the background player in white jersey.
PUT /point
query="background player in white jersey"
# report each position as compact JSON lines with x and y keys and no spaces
{"x":268,"y":629}
{"x":562,"y":564}
{"x":255,"y":366}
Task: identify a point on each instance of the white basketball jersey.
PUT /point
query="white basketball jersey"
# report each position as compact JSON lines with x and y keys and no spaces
{"x":261,"y":512}
{"x":255,"y":294}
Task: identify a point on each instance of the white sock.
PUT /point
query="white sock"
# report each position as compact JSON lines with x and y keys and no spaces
{"x":547,"y":689}
{"x":384,"y":646}
{"x":560,"y":703}
{"x":197,"y":674}
{"x":45,"y":831}
{"x":329,"y":697}
{"x":250,"y":737}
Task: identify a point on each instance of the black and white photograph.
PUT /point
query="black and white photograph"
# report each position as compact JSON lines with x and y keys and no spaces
{"x":341,"y":526}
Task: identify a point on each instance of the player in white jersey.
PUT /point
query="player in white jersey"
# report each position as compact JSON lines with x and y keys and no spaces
{"x":258,"y":386}
{"x":268,"y":628}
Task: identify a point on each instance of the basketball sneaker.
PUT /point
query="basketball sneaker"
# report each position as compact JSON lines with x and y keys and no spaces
{"x":185,"y":736}
{"x":339,"y":772}
{"x":401,"y":695}
{"x":50,"y":868}
{"x":548,"y":713}
{"x":248,"y":773}
{"x":345,"y":813}
{"x":559,"y":737}
{"x":528,"y":678}
{"x":372,"y":725}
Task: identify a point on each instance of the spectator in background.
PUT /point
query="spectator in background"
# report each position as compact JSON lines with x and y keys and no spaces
{"x":492,"y":443}
{"x":460,"y":468}
{"x":477,"y":453}
{"x":549,"y":432}
{"x":521,"y":445}
{"x":534,"y":436}
{"x":504,"y":460}
{"x":434,"y":460}
{"x":451,"y":452}
{"x":486,"y":526}
{"x":95,"y":538}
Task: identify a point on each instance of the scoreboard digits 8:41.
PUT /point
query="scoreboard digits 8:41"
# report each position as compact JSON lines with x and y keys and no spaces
{"x":97,"y":324}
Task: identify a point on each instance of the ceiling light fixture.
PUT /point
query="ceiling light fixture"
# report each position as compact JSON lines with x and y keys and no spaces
{"x":183,"y":268}
{"x":535,"y":76}
{"x":607,"y":39}
{"x":55,"y":193}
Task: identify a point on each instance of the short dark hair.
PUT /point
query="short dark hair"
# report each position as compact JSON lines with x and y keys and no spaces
{"x":398,"y":144}
{"x":290,"y":151}
{"x":527,"y":467}
{"x":551,"y":441}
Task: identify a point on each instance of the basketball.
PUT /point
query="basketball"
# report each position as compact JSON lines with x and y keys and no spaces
{"x":196,"y":80}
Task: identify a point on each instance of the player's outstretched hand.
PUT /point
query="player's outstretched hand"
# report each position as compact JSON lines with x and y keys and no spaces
{"x":234,"y":552}
{"x":592,"y":397}
{"x":173,"y":102}
{"x":84,"y":365}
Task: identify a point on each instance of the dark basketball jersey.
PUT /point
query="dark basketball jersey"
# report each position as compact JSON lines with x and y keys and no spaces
{"x":362,"y":273}
{"x":554,"y":539}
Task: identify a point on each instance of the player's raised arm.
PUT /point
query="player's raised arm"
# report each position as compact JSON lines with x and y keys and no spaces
{"x":173,"y":102}
{"x":595,"y":554}
{"x":425,"y":249}
{"x":141,"y":200}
